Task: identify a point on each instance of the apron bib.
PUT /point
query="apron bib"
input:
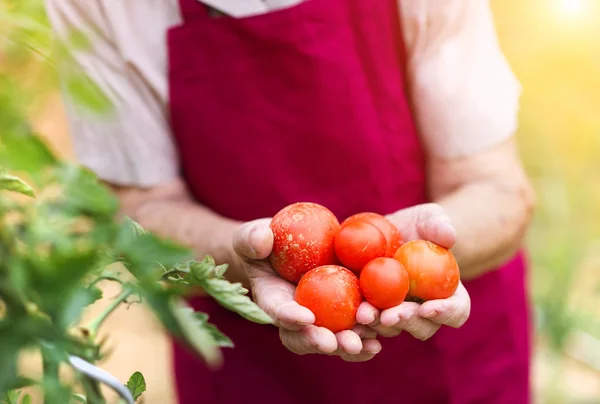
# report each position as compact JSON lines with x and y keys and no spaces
{"x":308,"y":103}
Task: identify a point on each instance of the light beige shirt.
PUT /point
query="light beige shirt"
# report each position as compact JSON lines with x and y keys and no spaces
{"x":464,"y":93}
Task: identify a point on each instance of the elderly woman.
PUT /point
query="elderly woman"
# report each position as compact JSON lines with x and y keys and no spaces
{"x":226,"y":111}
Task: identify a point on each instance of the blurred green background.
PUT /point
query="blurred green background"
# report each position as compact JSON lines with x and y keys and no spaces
{"x":553,"y":47}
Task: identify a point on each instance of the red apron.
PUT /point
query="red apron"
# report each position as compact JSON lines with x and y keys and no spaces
{"x":309,"y":103}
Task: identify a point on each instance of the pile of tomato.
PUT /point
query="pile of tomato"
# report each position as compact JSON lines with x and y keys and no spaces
{"x":338,"y":266}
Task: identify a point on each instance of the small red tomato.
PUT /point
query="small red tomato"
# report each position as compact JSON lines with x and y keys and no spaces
{"x":357,"y":243}
{"x":384,"y":282}
{"x":389,"y":230}
{"x":303,"y":239}
{"x":432,"y":269}
{"x":332,"y":293}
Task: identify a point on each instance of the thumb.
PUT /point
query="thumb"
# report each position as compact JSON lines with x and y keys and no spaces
{"x":428,"y":221}
{"x":254,"y":240}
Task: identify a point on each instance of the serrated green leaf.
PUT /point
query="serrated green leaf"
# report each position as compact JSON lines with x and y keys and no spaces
{"x":11,"y":183}
{"x":84,"y":194}
{"x":233,"y":297}
{"x":221,"y":339}
{"x":74,"y":306}
{"x":138,"y":230}
{"x":80,"y":398}
{"x":136,"y":385}
{"x":195,"y":334}
{"x":203,"y":269}
{"x":147,"y":253}
{"x":220,"y":270}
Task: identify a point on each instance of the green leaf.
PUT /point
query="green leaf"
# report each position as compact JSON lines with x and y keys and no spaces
{"x":138,"y":230}
{"x":221,"y":339}
{"x":220,"y":270}
{"x":21,"y":150}
{"x":195,"y":334}
{"x":203,"y":269}
{"x":80,"y":398}
{"x":84,"y":194}
{"x":85,"y":93}
{"x":233,"y":297}
{"x":136,"y":385}
{"x":26,"y":399}
{"x":146,"y":254}
{"x":12,"y":397}
{"x":11,"y":183}
{"x":74,"y":306}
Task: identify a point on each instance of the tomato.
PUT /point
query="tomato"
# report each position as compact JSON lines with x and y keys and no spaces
{"x":357,"y":243}
{"x":432,"y":269}
{"x":384,"y":282}
{"x":389,"y":230}
{"x":303,"y":239}
{"x":332,"y":293}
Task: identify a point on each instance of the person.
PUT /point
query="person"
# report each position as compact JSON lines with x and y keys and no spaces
{"x":227,"y":111}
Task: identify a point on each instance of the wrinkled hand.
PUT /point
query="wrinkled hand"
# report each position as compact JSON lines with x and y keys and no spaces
{"x":427,"y":222}
{"x":253,"y":243}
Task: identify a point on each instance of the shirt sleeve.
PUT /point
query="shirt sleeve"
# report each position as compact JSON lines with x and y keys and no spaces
{"x":132,"y":144}
{"x":464,"y":94}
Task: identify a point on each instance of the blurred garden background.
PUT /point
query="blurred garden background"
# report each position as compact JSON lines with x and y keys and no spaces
{"x":554,"y":49}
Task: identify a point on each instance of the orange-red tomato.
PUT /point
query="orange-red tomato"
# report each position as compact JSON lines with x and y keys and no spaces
{"x":303,"y":239}
{"x":357,"y":243}
{"x":389,"y":230}
{"x":432,"y":270}
{"x":332,"y":293}
{"x":384,"y":282}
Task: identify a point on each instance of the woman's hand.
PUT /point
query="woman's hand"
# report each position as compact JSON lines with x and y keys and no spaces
{"x":426,"y":222}
{"x":253,"y":243}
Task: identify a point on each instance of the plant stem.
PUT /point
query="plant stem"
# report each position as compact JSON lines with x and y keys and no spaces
{"x":95,"y":324}
{"x":49,"y":366}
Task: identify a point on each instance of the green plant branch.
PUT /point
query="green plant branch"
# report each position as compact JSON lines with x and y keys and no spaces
{"x":95,"y":324}
{"x":106,"y":277}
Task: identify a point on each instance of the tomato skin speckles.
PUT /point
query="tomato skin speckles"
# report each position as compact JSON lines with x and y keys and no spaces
{"x":332,"y":293}
{"x":303,"y":239}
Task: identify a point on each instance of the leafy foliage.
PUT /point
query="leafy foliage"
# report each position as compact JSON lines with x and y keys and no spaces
{"x":60,"y":233}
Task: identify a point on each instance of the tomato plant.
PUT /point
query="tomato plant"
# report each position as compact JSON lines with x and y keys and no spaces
{"x":60,"y":233}
{"x":358,"y":242}
{"x":303,"y":239}
{"x":432,"y":269}
{"x":332,"y":293}
{"x":389,"y":230}
{"x":384,"y":282}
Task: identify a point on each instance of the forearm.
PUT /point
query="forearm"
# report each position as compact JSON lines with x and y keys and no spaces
{"x":171,"y":213}
{"x":491,"y":219}
{"x":490,"y":202}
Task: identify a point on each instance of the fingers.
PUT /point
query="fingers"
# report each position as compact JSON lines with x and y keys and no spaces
{"x":369,"y":345}
{"x":254,"y":240}
{"x":428,"y":221}
{"x":309,"y":340}
{"x":452,"y":312}
{"x":368,"y":315}
{"x":406,"y":317}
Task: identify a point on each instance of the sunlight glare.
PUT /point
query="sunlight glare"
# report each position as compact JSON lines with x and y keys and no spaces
{"x":572,"y":8}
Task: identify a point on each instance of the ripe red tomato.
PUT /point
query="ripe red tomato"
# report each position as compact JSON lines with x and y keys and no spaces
{"x":389,"y":230}
{"x":303,"y":239}
{"x":332,"y":293}
{"x":357,"y":243}
{"x":384,"y":282}
{"x":432,"y":269}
